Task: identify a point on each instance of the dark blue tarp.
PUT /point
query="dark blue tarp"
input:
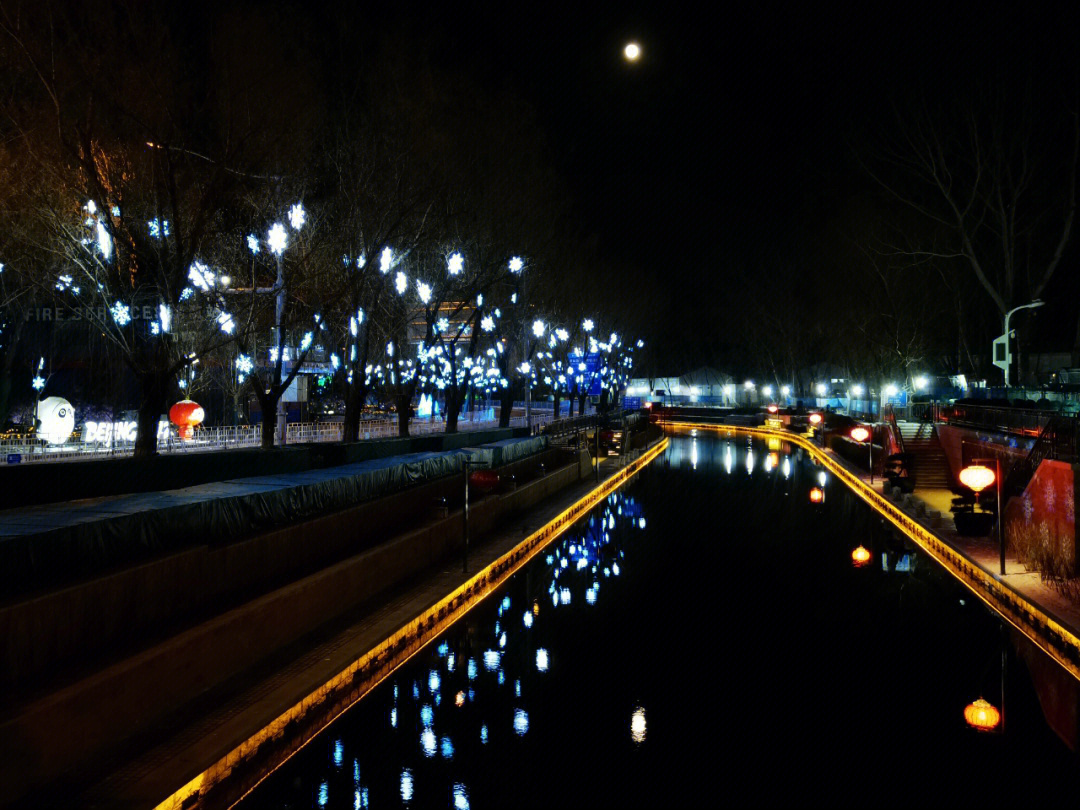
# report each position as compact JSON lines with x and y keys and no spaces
{"x":503,"y":452}
{"x":50,"y":542}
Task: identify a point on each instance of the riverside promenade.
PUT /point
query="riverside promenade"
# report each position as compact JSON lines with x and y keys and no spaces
{"x":213,"y":751}
{"x":1021,"y":597}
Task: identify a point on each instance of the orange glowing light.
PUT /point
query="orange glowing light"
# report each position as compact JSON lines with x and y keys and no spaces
{"x":982,"y":716}
{"x":459,"y":699}
{"x":772,"y":409}
{"x":536,"y":608}
{"x":186,"y":414}
{"x":860,"y":434}
{"x":860,"y":557}
{"x":817,"y":495}
{"x":815,"y":419}
{"x":977,"y":477}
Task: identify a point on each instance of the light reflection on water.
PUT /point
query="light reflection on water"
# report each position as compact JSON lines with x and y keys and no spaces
{"x":515,"y":701}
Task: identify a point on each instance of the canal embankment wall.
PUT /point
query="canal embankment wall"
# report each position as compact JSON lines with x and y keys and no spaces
{"x":37,"y":483}
{"x":94,"y":714}
{"x":92,"y":617}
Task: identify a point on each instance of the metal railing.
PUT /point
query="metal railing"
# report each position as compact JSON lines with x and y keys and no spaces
{"x":22,"y":451}
{"x":1020,"y":421}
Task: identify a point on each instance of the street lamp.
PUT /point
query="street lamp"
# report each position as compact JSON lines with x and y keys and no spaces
{"x":1005,"y":362}
{"x":861,"y":434}
{"x":978,"y":477}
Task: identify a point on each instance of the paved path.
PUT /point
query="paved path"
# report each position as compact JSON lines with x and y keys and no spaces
{"x":984,"y":552}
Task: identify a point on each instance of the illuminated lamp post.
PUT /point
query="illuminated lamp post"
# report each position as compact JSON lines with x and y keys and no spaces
{"x":860,"y":557}
{"x":861,"y":434}
{"x":978,"y":477}
{"x":819,"y":424}
{"x":817,"y":495}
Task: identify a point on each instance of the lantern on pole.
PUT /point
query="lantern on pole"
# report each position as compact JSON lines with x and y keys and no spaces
{"x":978,"y":476}
{"x":186,"y":414}
{"x":862,"y":434}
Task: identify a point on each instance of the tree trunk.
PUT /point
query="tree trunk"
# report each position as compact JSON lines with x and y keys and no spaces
{"x":155,"y":387}
{"x":581,"y":403}
{"x":354,"y":406}
{"x":5,"y":395}
{"x":555,"y":403}
{"x":269,"y":420}
{"x":506,"y":406}
{"x":404,"y":412}
{"x":453,"y":408}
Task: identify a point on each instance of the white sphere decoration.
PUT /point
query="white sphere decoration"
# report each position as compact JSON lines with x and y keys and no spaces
{"x":57,"y":419}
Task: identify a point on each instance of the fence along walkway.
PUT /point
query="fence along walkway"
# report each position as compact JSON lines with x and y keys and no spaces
{"x":19,"y":451}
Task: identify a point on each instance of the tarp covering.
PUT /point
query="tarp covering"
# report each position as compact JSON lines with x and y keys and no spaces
{"x":503,"y":452}
{"x":51,"y":543}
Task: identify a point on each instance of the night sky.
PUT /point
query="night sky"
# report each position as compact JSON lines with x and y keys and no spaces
{"x":727,"y":152}
{"x":729,"y":146}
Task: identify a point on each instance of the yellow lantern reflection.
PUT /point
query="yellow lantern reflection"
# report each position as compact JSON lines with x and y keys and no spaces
{"x":860,"y":556}
{"x":982,"y":716}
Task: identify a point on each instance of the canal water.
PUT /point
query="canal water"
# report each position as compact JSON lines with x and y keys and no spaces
{"x":706,"y":635}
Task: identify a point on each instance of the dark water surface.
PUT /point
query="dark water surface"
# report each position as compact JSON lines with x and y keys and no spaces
{"x":704,"y":637}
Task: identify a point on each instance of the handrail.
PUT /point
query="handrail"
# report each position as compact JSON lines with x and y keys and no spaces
{"x":890,"y":418}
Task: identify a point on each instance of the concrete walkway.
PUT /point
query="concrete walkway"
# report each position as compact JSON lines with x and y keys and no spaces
{"x":985,"y":554}
{"x":179,"y":752}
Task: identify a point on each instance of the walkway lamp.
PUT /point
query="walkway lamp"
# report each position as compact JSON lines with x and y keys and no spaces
{"x":861,"y":434}
{"x":817,"y":495}
{"x":978,"y":477}
{"x":818,"y":423}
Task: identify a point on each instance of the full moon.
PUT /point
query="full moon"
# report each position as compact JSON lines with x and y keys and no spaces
{"x":632,"y":52}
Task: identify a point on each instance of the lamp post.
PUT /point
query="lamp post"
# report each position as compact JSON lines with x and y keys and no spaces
{"x":1038,"y":302}
{"x":861,"y":434}
{"x":978,"y":477}
{"x":465,"y":516}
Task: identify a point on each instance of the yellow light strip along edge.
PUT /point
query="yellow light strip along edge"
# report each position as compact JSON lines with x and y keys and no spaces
{"x":393,"y":652}
{"x":1041,"y":627}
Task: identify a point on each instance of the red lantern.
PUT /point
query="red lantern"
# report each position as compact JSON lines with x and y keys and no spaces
{"x":860,"y":434}
{"x":817,"y":495}
{"x":977,"y":477}
{"x":860,"y":557}
{"x":186,"y":414}
{"x":815,"y":419}
{"x":982,"y":716}
{"x":484,"y":480}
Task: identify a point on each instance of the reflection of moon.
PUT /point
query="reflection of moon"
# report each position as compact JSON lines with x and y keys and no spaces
{"x":632,"y":52}
{"x":57,"y":419}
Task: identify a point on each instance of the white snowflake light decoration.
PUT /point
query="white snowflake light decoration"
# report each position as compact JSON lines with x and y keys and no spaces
{"x":121,"y":313}
{"x":277,"y":239}
{"x":297,"y":216}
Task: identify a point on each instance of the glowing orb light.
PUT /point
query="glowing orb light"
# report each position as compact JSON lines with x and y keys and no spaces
{"x":772,"y":409}
{"x":860,"y":557}
{"x":860,"y":434}
{"x":817,"y":495}
{"x":977,"y":477}
{"x":815,"y":419}
{"x":982,"y":716}
{"x":186,"y":414}
{"x":632,"y":52}
{"x":57,"y":419}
